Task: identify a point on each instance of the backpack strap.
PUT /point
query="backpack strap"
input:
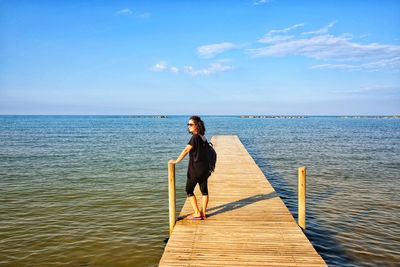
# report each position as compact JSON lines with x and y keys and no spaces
{"x":203,"y":138}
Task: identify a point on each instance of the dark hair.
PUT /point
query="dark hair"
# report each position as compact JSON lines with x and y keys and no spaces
{"x":201,"y":128}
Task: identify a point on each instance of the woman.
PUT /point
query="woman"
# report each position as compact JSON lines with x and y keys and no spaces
{"x":198,"y":169}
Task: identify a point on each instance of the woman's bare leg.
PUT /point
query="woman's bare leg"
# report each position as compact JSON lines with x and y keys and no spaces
{"x":193,"y":202}
{"x":204,"y":206}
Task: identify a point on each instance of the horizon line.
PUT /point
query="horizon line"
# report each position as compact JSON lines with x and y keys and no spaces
{"x":211,"y":115}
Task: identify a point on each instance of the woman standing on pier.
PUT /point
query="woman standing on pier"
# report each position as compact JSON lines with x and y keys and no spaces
{"x":198,"y":168}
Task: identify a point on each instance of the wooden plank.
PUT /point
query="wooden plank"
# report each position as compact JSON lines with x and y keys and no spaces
{"x":247,"y":225}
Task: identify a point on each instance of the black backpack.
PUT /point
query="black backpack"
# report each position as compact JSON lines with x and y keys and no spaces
{"x":211,"y":154}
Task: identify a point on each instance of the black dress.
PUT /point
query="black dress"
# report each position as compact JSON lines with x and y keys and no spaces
{"x":198,"y":159}
{"x":198,"y":172}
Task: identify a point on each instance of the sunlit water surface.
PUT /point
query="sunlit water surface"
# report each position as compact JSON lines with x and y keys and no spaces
{"x":92,"y":190}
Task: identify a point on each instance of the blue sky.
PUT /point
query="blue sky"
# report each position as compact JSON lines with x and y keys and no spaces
{"x":272,"y":57}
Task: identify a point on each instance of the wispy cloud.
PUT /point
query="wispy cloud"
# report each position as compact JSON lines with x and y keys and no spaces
{"x":323,"y":46}
{"x":326,"y":47}
{"x":174,"y":69}
{"x":322,"y":30}
{"x":213,"y":68}
{"x":377,"y":89}
{"x":275,"y":39}
{"x":129,"y":12}
{"x":371,"y":89}
{"x":363,"y":36}
{"x":391,"y":63}
{"x":260,"y":2}
{"x":336,"y":66}
{"x":209,"y":51}
{"x":125,"y":11}
{"x":343,"y":52}
{"x":163,"y":67}
{"x":285,"y":30}
{"x":144,"y":15}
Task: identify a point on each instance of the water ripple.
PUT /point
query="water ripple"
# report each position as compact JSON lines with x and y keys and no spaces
{"x":92,"y":191}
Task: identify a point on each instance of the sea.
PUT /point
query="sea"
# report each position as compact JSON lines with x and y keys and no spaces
{"x":92,"y":190}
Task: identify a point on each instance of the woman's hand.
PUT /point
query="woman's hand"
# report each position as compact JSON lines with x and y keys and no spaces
{"x":172,"y":161}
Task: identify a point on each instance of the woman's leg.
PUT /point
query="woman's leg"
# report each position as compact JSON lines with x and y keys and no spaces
{"x":204,"y":192}
{"x":193,"y":201}
{"x":204,"y":206}
{"x":190,"y":185}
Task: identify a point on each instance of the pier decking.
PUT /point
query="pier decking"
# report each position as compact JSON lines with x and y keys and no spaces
{"x":247,"y":225}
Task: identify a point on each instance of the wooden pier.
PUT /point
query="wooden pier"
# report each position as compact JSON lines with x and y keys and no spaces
{"x":247,"y":225}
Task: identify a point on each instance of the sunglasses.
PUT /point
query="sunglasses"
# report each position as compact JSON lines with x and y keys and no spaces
{"x":190,"y":124}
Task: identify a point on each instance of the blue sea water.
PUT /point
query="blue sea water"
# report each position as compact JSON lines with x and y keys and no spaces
{"x":92,"y":190}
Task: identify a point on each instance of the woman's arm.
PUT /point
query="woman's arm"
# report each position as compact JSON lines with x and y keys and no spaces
{"x":182,"y":155}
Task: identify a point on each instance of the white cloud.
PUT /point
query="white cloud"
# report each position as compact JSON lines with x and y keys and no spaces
{"x":328,"y":47}
{"x":163,"y":66}
{"x":363,"y":36}
{"x":213,"y":68}
{"x":209,"y":51}
{"x":348,"y":54}
{"x":391,"y":63}
{"x":144,"y":15}
{"x":128,"y":12}
{"x":261,"y":2}
{"x":335,"y":66}
{"x":385,"y":63}
{"x":377,"y":89}
{"x":322,"y":30}
{"x":275,"y":39}
{"x":125,"y":11}
{"x":372,"y":89}
{"x":174,"y":69}
{"x":271,"y":32}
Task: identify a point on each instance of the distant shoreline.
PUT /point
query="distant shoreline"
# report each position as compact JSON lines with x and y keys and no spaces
{"x":239,"y":116}
{"x":303,"y":117}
